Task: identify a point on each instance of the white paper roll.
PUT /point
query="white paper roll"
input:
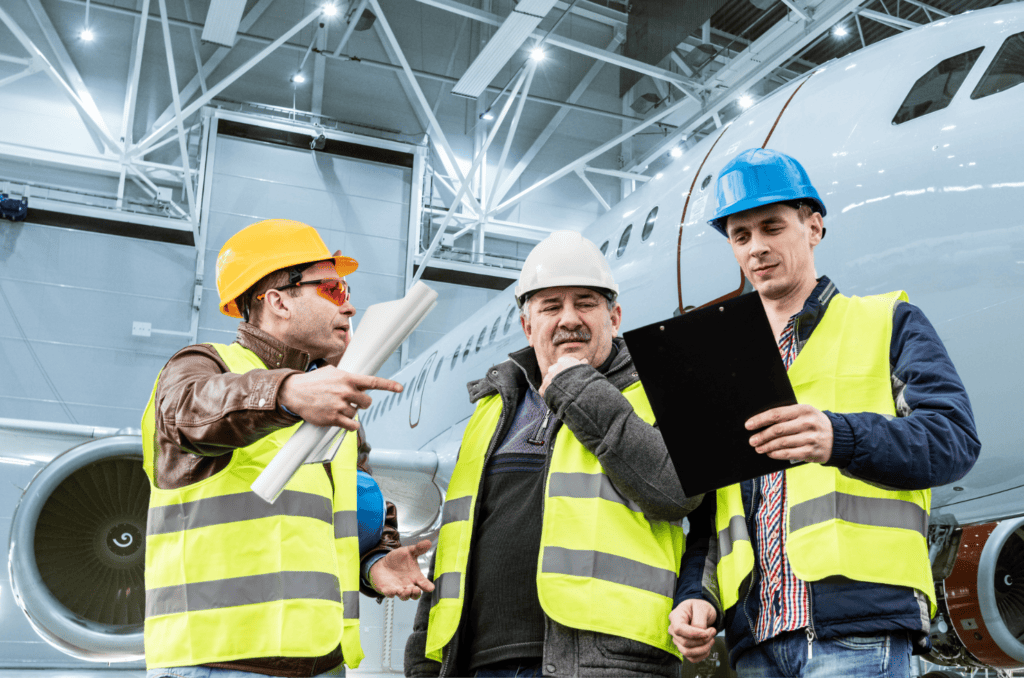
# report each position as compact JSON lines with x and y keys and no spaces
{"x":381,"y":331}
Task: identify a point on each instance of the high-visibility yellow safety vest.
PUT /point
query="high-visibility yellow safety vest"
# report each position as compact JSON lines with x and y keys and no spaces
{"x":603,"y":566}
{"x":229,"y":576}
{"x":837,"y":525}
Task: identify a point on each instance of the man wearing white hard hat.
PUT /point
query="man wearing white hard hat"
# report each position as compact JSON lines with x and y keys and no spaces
{"x":562,"y":527}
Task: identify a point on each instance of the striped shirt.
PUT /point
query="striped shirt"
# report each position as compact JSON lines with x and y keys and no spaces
{"x":785,"y":604}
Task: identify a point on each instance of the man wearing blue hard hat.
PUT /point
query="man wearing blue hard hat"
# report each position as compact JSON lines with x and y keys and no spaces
{"x":823,"y":570}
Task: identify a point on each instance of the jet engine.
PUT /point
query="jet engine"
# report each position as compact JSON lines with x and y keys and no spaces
{"x":77,"y":551}
{"x":981,"y":599}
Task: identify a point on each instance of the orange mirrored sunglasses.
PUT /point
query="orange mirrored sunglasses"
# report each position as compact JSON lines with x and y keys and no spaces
{"x":333,"y":290}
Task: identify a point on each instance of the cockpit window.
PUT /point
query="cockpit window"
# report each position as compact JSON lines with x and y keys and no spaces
{"x":649,"y":224}
{"x":623,"y":241}
{"x":1005,"y":71}
{"x":935,"y":89}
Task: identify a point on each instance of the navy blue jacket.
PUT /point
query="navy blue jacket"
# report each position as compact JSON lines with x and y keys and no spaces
{"x":932,"y":442}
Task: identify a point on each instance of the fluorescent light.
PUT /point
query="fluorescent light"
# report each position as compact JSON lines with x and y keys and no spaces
{"x":222,"y":21}
{"x":86,"y":34}
{"x":537,"y":54}
{"x":487,"y":115}
{"x":745,"y":101}
{"x":509,"y":38}
{"x":298,"y":78}
{"x":329,"y":9}
{"x":839,"y":31}
{"x":676,"y":152}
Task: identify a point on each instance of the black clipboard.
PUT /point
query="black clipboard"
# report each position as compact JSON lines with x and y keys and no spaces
{"x":705,"y":373}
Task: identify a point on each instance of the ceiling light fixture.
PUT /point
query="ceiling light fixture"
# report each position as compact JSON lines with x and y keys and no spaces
{"x":329,"y":9}
{"x":86,"y":33}
{"x":839,"y":31}
{"x":298,"y":78}
{"x":745,"y":101}
{"x":676,"y":152}
{"x":487,"y":115}
{"x":537,"y":54}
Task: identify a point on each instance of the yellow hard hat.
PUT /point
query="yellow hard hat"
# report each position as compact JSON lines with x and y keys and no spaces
{"x":265,"y":247}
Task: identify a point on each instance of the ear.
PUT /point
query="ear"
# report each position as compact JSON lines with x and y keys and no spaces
{"x":527,"y":328}
{"x":278,"y":304}
{"x":616,"y":319}
{"x":817,"y":227}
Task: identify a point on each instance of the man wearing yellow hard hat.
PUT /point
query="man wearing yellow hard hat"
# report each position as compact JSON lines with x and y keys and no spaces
{"x":235,"y":585}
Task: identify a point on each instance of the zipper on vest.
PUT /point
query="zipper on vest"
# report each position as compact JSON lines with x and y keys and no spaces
{"x":446,"y":657}
{"x":539,"y":438}
{"x":755,"y":497}
{"x":811,"y":634}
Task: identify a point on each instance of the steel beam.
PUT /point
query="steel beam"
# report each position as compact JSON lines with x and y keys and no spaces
{"x":132,"y":90}
{"x":531,"y":69}
{"x":178,"y":119}
{"x":215,"y":59}
{"x":753,"y":64}
{"x":563,"y":42}
{"x":74,"y":79}
{"x":463,"y":188}
{"x":444,"y":148}
{"x":34,"y":68}
{"x":888,"y":19}
{"x":593,"y":189}
{"x":553,"y":124}
{"x":629,"y":176}
{"x":156,"y":134}
{"x":94,"y":124}
{"x":583,"y":160}
{"x":353,"y":19}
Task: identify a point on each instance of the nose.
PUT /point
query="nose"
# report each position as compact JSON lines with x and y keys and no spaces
{"x":758,"y":244}
{"x":569,"y":318}
{"x":347,"y":309}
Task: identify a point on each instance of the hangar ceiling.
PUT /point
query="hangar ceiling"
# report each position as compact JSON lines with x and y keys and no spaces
{"x":510,"y":98}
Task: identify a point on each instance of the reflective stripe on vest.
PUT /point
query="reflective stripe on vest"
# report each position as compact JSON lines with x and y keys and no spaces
{"x":837,"y":525}
{"x":265,"y":580}
{"x":598,"y":545}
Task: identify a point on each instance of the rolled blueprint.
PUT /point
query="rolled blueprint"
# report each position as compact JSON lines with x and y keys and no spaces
{"x":381,"y":331}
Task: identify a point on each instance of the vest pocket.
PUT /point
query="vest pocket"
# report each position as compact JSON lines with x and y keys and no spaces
{"x":623,"y":649}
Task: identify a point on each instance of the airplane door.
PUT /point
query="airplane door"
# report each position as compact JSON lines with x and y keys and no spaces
{"x":418,"y":386}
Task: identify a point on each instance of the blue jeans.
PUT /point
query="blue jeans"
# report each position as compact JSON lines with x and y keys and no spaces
{"x":786,"y":656}
{"x":206,"y":672}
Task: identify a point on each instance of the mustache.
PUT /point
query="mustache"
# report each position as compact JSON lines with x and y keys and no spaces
{"x":562,"y":336}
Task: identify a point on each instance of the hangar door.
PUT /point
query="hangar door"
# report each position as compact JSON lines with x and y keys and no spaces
{"x":359,"y":205}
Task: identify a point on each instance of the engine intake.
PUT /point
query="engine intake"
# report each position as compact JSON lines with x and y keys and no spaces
{"x":77,"y":551}
{"x":984,"y":595}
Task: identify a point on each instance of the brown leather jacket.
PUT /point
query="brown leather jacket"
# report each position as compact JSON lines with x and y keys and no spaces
{"x":204,"y":412}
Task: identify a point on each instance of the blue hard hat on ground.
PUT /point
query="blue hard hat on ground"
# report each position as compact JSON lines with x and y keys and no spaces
{"x":760,"y":176}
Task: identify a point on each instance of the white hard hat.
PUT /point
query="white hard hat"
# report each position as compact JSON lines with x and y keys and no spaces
{"x":565,"y":259}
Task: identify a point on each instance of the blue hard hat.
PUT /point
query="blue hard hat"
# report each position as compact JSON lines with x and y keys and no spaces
{"x":370,"y":511}
{"x":760,"y":176}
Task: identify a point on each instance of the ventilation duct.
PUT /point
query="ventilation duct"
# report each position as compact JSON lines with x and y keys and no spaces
{"x":77,"y":551}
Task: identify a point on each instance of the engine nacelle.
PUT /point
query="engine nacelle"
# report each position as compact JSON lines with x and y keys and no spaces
{"x":981,"y":620}
{"x":77,"y":551}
